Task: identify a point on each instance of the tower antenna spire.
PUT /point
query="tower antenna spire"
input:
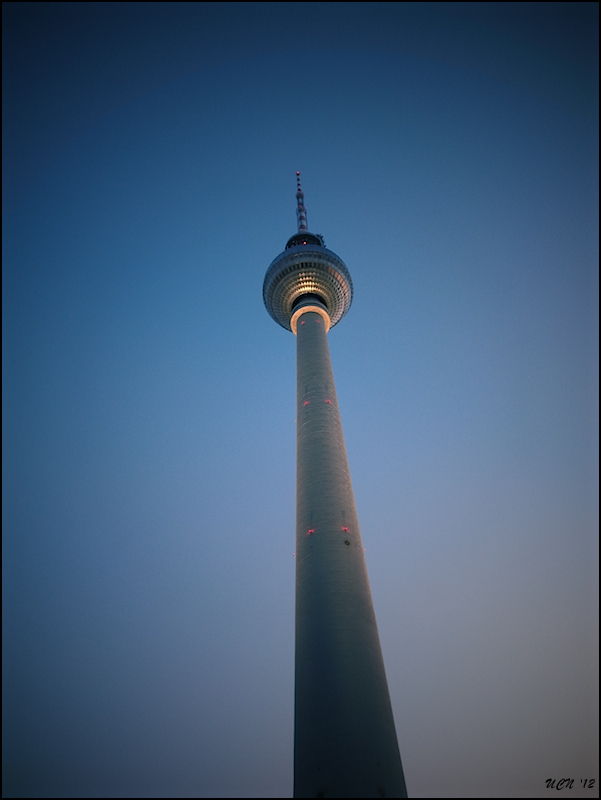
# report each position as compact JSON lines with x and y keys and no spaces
{"x":301,"y":211}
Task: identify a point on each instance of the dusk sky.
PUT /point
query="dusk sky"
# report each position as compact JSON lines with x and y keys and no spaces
{"x":448,"y":154}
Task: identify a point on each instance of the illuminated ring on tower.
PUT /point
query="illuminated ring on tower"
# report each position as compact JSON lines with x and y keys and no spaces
{"x":302,"y":310}
{"x":307,"y":270}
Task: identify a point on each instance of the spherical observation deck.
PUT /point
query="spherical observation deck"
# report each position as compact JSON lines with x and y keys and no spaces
{"x":307,"y":271}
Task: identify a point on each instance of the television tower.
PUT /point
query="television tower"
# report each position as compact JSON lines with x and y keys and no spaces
{"x":345,"y":741}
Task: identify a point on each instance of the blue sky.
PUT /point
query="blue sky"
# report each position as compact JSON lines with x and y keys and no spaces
{"x":449,"y":156}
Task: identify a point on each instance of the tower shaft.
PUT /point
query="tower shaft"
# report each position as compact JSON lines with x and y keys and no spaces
{"x":345,"y":739}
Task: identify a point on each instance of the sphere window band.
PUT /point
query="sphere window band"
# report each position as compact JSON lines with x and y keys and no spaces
{"x":301,"y":271}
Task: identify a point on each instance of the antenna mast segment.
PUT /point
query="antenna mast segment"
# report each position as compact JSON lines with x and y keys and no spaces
{"x":301,"y":211}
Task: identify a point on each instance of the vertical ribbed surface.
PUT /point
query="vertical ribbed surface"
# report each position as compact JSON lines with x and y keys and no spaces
{"x":345,"y":740}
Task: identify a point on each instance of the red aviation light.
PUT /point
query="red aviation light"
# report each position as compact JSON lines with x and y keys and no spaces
{"x":310,"y":531}
{"x":306,"y":403}
{"x":345,"y":529}
{"x":329,"y":401}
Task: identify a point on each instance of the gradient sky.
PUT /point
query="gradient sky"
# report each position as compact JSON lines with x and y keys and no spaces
{"x":448,"y":153}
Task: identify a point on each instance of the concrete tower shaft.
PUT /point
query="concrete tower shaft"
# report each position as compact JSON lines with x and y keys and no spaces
{"x":345,"y":742}
{"x":345,"y":739}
